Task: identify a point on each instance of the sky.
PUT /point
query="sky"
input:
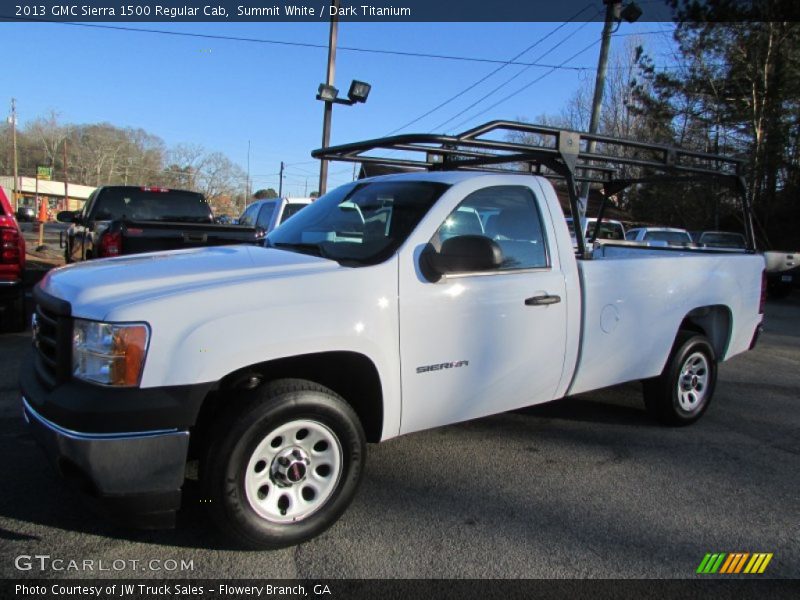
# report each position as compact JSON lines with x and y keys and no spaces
{"x":228,"y":94}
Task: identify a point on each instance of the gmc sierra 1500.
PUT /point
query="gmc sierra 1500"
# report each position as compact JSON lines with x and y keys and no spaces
{"x":389,"y":305}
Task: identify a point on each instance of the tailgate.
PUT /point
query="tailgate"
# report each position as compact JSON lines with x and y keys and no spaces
{"x":150,"y":236}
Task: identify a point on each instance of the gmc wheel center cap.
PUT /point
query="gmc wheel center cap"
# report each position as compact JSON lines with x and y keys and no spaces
{"x":296,"y":472}
{"x":290,"y":467}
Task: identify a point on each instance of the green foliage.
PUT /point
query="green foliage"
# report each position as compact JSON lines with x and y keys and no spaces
{"x":265,"y":194}
{"x":738,"y":93}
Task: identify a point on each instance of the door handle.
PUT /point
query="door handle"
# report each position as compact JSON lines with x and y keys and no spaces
{"x":543,"y":300}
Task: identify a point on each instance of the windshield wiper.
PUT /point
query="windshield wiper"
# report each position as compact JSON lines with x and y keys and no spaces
{"x":304,"y":248}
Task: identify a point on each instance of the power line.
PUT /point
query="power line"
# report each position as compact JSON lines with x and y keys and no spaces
{"x":285,"y":43}
{"x":317,"y":46}
{"x":525,"y":87}
{"x":512,"y":78}
{"x":520,"y":90}
{"x":497,"y":70}
{"x":305,"y":162}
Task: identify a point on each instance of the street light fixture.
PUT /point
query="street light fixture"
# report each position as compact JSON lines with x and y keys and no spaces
{"x":631,"y":12}
{"x":358,"y":92}
{"x":327,"y":93}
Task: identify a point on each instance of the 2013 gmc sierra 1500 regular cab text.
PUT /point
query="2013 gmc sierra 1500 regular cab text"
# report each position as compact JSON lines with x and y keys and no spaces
{"x":389,"y":305}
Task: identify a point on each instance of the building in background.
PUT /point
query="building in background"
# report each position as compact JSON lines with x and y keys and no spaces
{"x":52,"y":191}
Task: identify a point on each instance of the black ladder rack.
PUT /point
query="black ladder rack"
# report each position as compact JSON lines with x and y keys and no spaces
{"x":572,"y":156}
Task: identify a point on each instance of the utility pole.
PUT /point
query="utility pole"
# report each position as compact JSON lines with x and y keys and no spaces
{"x":42,"y":211}
{"x":66,"y":177}
{"x":247,"y":183}
{"x":14,"y":145}
{"x":280,"y":183}
{"x":613,"y":8}
{"x":326,"y":119}
{"x":305,"y":189}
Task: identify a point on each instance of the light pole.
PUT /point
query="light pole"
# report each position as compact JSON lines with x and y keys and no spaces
{"x":615,"y":13}
{"x":14,"y":145}
{"x":328,"y":94}
{"x":329,"y":77}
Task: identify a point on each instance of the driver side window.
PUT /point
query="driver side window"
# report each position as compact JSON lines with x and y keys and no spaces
{"x":509,"y":216}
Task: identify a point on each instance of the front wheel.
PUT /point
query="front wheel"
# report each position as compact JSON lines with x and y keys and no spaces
{"x":286,"y":466}
{"x":683,"y":391}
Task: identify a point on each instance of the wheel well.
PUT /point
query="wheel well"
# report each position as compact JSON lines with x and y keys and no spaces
{"x":714,"y":322}
{"x":351,"y":375}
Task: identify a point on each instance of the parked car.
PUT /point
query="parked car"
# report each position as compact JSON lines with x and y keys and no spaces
{"x":118,"y":220}
{"x":390,"y":305}
{"x":722,"y":239}
{"x":12,"y":268}
{"x":782,"y":268}
{"x":26,"y":213}
{"x":783,"y":272}
{"x":659,"y":236}
{"x":266,"y":215}
{"x":609,"y":229}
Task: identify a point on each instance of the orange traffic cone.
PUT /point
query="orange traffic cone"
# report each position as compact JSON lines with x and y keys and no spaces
{"x":43,"y":211}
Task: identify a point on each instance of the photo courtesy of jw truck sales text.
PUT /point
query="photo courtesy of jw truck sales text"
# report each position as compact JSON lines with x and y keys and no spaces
{"x":362,"y":292}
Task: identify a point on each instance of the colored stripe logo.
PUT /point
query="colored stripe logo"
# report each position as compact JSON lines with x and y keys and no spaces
{"x":734,"y":563}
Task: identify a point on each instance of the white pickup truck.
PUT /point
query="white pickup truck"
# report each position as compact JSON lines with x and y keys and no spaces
{"x":388,"y":306}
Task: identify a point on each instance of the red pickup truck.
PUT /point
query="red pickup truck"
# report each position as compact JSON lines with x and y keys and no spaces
{"x":12,"y":265}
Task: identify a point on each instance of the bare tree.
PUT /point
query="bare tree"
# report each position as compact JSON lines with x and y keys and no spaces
{"x":49,"y":133}
{"x":219,"y":176}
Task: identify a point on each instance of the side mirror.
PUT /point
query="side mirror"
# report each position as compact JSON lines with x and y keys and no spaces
{"x":461,"y":254}
{"x":66,"y":216}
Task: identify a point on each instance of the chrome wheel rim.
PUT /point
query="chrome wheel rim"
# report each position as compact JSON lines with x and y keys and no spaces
{"x":293,"y":471}
{"x":693,"y":382}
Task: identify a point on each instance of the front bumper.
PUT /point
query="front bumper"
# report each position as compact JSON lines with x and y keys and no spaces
{"x":126,"y":447}
{"x":135,"y":476}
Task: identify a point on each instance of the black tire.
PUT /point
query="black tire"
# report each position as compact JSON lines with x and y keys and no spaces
{"x":14,"y":315}
{"x":226,"y":474}
{"x":677,"y":406}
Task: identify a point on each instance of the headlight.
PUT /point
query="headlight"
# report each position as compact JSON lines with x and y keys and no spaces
{"x":109,"y":353}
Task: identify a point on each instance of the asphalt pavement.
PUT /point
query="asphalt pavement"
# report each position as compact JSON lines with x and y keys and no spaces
{"x":584,"y":487}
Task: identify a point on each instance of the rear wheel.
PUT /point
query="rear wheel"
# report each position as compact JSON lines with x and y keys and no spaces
{"x":683,"y":391}
{"x":286,"y":466}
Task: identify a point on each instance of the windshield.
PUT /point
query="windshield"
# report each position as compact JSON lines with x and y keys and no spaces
{"x":151,"y":204}
{"x":723,"y":240}
{"x":608,"y":230}
{"x":290,"y":210}
{"x":358,"y":223}
{"x":671,"y":237}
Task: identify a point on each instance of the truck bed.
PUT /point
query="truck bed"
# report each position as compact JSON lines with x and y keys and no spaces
{"x":149,"y":236}
{"x":635,"y":298}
